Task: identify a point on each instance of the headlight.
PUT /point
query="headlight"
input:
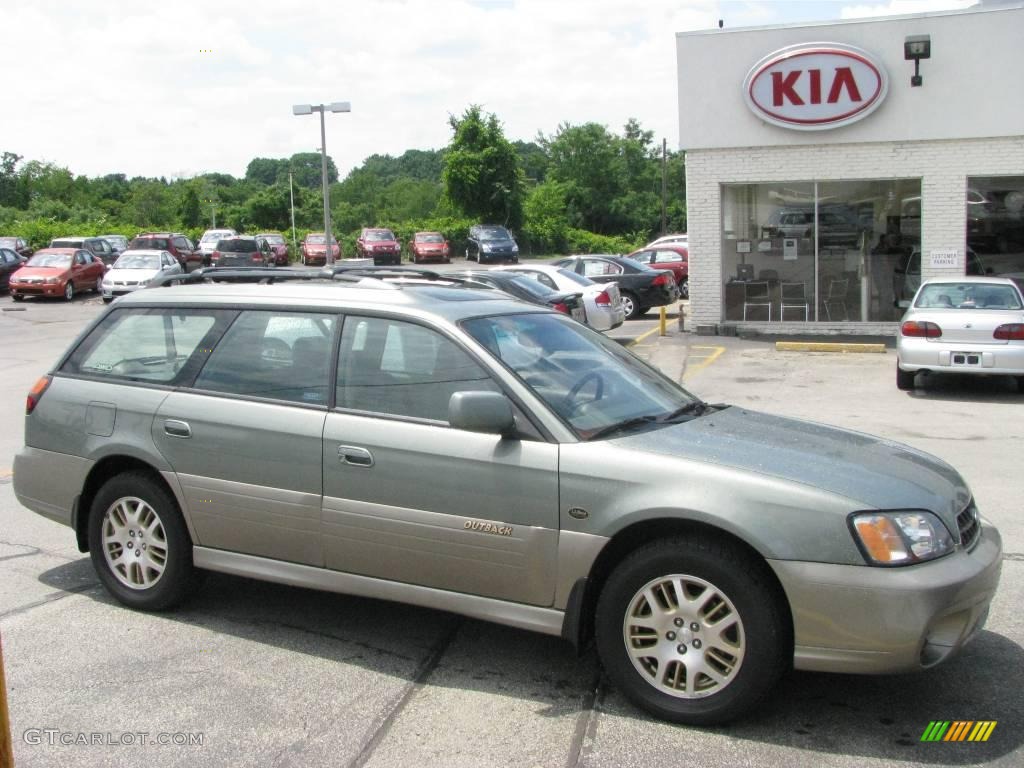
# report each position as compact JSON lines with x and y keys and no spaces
{"x":485,"y":247}
{"x":50,"y":281}
{"x":900,"y":538}
{"x":107,"y":282}
{"x":515,"y":248}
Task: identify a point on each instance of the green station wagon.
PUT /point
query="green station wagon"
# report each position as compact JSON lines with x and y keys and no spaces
{"x":450,"y":447}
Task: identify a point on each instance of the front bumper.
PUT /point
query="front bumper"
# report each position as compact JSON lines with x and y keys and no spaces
{"x":36,"y":289}
{"x":955,"y":357}
{"x":864,"y":619}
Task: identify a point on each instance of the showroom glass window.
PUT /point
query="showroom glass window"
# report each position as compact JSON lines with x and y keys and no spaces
{"x":820,"y":251}
{"x":995,"y":223}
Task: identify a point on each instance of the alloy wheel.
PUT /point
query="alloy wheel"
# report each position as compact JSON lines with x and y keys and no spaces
{"x":134,"y":543}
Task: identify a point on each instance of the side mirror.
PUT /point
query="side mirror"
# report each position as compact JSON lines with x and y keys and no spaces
{"x":488,"y":412}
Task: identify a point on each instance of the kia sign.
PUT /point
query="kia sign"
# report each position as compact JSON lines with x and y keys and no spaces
{"x":815,"y":86}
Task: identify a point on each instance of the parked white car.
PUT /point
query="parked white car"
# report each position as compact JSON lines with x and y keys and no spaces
{"x":602,"y":301}
{"x":680,"y":238}
{"x":972,"y":325}
{"x":134,"y":270}
{"x":208,"y":242}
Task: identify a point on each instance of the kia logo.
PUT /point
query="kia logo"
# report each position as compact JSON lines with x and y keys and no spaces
{"x":815,"y":86}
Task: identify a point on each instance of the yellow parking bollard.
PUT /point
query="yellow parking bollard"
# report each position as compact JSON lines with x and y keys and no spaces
{"x":663,"y":316}
{"x":6,"y":747}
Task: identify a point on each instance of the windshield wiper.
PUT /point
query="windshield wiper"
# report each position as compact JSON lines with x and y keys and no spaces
{"x":636,"y":421}
{"x":696,"y":408}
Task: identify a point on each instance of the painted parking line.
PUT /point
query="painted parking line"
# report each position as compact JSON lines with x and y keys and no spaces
{"x":642,"y":336}
{"x":703,"y":361}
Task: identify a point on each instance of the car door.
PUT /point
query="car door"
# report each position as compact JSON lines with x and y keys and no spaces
{"x":409,"y":498}
{"x":246,"y":439}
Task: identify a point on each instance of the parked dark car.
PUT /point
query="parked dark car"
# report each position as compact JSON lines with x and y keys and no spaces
{"x":242,"y":251}
{"x":175,"y":243}
{"x":278,"y":247}
{"x":118,"y":242}
{"x":379,"y":244}
{"x":17,"y":244}
{"x":429,"y":246}
{"x":673,"y":257}
{"x":490,"y":243}
{"x":9,"y":262}
{"x":57,"y":272}
{"x":640,"y":286}
{"x":527,"y":289}
{"x":97,"y":246}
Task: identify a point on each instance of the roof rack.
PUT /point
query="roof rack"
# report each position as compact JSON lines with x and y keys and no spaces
{"x":341,"y":273}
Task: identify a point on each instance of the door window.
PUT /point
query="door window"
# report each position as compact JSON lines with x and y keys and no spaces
{"x":599,"y":267}
{"x":276,"y":355}
{"x":403,"y":369}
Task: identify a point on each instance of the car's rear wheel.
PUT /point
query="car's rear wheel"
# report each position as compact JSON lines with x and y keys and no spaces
{"x":69,"y":291}
{"x":904,"y":379}
{"x":16,"y":297}
{"x":684,"y":289}
{"x":139,"y":544}
{"x":692,"y":630}
{"x":630,"y":305}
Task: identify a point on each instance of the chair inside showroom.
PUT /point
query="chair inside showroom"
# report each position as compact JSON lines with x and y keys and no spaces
{"x":794,"y":297}
{"x":835,"y":299}
{"x":756,"y":295}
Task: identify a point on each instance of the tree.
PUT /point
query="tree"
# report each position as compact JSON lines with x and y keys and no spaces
{"x":270,"y":208}
{"x":308,"y":172}
{"x":265,"y":170}
{"x":482,"y":176}
{"x":190,"y":210}
{"x":12,"y":190}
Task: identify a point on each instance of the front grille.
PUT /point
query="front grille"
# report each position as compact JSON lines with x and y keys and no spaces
{"x":969,"y":525}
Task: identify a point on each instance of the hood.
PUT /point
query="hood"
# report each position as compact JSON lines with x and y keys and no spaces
{"x":872,"y":472}
{"x":42,"y":272}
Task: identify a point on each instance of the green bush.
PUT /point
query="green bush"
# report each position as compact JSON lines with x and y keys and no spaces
{"x":581,"y":241}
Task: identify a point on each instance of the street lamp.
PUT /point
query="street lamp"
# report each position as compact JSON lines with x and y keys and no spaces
{"x":308,"y":109}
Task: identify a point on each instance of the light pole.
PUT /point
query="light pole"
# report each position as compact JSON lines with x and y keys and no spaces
{"x":308,"y":109}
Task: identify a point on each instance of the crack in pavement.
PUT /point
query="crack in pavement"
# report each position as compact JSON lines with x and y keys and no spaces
{"x":50,"y":598}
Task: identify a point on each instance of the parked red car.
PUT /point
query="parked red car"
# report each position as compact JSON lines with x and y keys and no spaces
{"x":381,"y":245}
{"x":278,"y":247}
{"x":175,"y":243}
{"x":428,"y":246}
{"x":58,"y":272}
{"x":675,"y":257}
{"x":314,"y":249}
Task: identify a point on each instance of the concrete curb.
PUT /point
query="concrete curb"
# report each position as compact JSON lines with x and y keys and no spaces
{"x":827,"y":346}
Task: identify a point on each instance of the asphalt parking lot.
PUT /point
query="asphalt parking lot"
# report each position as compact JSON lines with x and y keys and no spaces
{"x":265,"y":675}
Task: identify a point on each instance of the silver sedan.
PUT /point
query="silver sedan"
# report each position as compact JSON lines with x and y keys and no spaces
{"x":972,"y":325}
{"x":602,"y":301}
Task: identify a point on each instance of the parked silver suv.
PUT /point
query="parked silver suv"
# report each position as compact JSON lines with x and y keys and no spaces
{"x":404,"y":436}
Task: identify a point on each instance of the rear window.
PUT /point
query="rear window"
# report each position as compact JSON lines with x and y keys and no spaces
{"x":237,"y":246}
{"x":150,"y":244}
{"x":66,"y":244}
{"x":968,"y":296}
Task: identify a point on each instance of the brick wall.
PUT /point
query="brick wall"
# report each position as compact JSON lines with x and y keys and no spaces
{"x":942,"y":166}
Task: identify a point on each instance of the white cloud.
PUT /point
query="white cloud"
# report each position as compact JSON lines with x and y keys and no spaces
{"x":174,"y":89}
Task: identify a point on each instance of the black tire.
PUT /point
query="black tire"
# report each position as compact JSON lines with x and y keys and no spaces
{"x":1020,"y":384}
{"x":904,"y":379}
{"x":172,"y":546}
{"x":69,"y":291}
{"x":684,"y":289}
{"x":107,"y":299}
{"x":630,"y":304}
{"x":744,"y":599}
{"x":16,"y":297}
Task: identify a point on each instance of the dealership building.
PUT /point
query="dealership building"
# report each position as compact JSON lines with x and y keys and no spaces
{"x":830,"y":167}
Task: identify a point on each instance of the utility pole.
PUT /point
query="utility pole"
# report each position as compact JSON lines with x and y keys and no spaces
{"x":664,"y":184}
{"x":291,"y":193}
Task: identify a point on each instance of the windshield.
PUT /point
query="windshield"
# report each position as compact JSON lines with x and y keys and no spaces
{"x":968,"y":296}
{"x":137,"y":261}
{"x":429,"y":239}
{"x":211,"y":237}
{"x":494,"y":233}
{"x":590,"y":381}
{"x":61,"y":260}
{"x":274,"y":239}
{"x":318,"y":240}
{"x":66,"y":244}
{"x":377,"y":235}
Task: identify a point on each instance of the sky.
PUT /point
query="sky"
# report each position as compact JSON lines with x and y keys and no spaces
{"x":176,"y":89}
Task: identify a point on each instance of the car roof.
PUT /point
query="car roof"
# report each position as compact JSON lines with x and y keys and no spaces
{"x":410,"y":297}
{"x":986,"y":279}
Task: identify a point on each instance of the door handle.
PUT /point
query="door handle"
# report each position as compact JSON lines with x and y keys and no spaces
{"x":176,"y":428}
{"x":356,"y":457}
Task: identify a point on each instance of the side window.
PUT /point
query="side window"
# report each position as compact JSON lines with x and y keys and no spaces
{"x":545,"y":280}
{"x":662,"y":257}
{"x":403,"y":369}
{"x":598,"y":267}
{"x":156,"y":345}
{"x":80,"y":258}
{"x":278,"y":355}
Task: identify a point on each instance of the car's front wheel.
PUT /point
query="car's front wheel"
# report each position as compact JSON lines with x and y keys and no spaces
{"x":904,"y":379}
{"x":69,"y":291}
{"x":692,"y":630}
{"x":139,"y":544}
